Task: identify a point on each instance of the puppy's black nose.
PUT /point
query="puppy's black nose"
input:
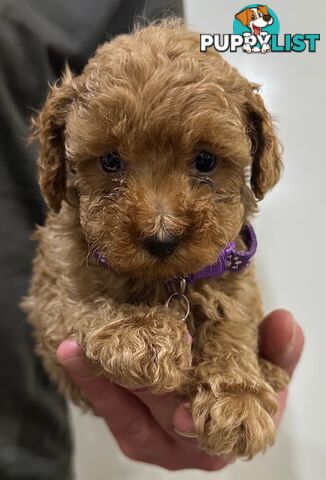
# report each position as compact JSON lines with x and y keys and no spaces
{"x":161,"y":248}
{"x":267,"y":18}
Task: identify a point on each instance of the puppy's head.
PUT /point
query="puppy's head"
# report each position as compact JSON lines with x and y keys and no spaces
{"x":169,"y":149}
{"x":255,"y":18}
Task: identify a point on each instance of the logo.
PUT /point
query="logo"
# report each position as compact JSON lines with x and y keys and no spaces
{"x":254,"y":24}
{"x":256,"y":29}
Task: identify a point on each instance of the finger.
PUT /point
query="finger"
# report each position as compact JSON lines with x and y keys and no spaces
{"x":167,"y":409}
{"x":281,"y":340}
{"x":183,"y":422}
{"x":162,"y":407}
{"x":129,"y":420}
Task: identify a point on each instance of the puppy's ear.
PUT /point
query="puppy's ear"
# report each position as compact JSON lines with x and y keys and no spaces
{"x":243,"y":16}
{"x":263,"y":9}
{"x":265,"y":147}
{"x":48,"y":129}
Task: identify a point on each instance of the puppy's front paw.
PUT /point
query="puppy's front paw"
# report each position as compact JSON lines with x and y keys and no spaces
{"x":235,"y":424}
{"x":142,"y":349}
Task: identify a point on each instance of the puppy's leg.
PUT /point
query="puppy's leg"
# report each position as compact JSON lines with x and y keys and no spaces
{"x":232,"y":403}
{"x":138,"y":346}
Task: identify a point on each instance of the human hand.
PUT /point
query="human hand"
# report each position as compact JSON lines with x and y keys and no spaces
{"x":145,"y":425}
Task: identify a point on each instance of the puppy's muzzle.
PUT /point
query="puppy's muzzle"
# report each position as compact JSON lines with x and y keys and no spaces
{"x":161,"y":248}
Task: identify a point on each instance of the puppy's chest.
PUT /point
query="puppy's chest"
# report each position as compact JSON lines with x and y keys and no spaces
{"x":199,"y":302}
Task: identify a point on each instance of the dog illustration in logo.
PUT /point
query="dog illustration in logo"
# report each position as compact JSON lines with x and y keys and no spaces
{"x":255,"y":19}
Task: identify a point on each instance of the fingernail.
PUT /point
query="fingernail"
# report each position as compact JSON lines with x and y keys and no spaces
{"x":185,"y":419}
{"x":186,"y":434}
{"x":289,"y":349}
{"x":68,"y":349}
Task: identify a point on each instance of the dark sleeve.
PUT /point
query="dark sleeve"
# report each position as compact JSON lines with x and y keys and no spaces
{"x":36,"y":38}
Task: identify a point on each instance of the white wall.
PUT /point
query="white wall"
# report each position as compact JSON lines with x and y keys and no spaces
{"x":292,"y":259}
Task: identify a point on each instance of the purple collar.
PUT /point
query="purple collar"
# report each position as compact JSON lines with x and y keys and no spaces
{"x":229,"y":260}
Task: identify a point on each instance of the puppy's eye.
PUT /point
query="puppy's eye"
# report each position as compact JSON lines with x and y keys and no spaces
{"x":111,"y":163}
{"x":253,"y":17}
{"x":205,"y":162}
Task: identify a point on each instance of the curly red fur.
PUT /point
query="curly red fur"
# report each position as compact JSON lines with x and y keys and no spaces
{"x":154,"y":98}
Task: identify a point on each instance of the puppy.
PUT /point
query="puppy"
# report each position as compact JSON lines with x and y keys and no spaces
{"x":255,"y":19}
{"x":151,"y":162}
